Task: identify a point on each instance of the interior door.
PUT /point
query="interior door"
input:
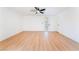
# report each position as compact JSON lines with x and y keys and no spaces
{"x":52,"y":23}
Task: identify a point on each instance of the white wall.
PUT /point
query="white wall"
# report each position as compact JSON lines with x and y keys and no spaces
{"x":69,"y":23}
{"x":10,"y":23}
{"x":37,"y":23}
{"x":33,"y":23}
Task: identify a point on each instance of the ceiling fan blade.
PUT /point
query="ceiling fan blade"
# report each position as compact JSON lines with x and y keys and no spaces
{"x":42,"y":9}
{"x":36,"y":8}
{"x":41,"y":12}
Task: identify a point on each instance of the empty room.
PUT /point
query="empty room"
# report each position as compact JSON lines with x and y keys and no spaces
{"x":39,"y":28}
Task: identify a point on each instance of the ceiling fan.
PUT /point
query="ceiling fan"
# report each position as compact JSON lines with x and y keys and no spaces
{"x":40,"y":10}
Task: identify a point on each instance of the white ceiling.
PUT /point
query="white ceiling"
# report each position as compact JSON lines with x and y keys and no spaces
{"x":26,"y":11}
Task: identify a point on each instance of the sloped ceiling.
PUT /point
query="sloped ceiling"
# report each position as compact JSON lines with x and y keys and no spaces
{"x":26,"y":11}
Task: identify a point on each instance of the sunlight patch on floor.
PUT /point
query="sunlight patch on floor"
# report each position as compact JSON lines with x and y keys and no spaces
{"x":46,"y":35}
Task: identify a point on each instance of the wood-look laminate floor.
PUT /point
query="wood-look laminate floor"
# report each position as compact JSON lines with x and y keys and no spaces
{"x":37,"y":41}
